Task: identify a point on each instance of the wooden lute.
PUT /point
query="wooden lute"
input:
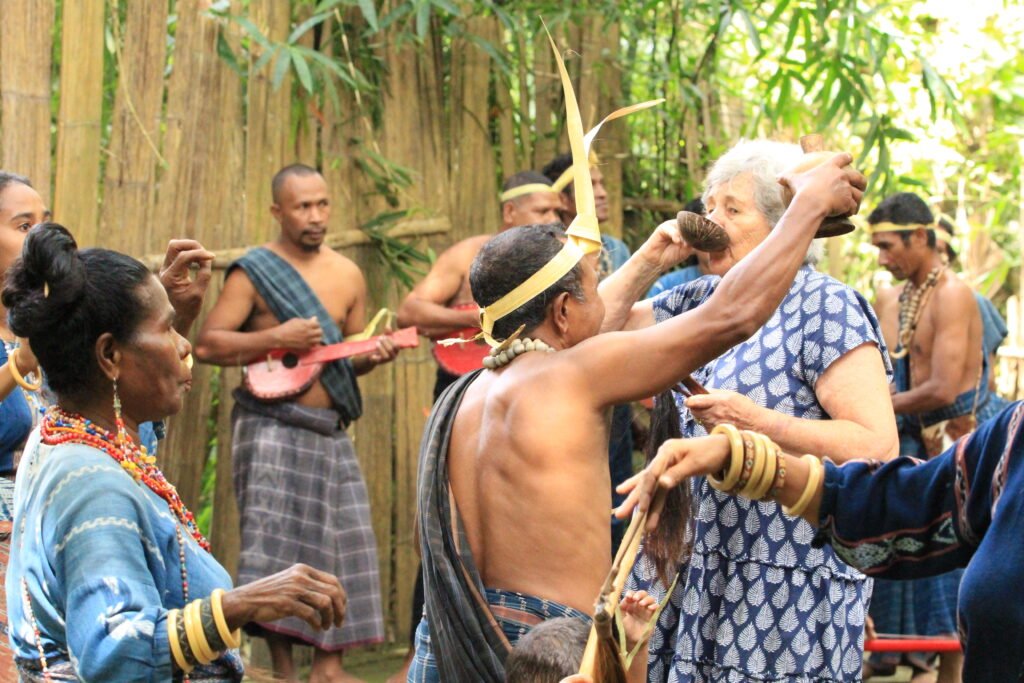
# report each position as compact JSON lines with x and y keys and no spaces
{"x":458,"y":359}
{"x":285,"y":374}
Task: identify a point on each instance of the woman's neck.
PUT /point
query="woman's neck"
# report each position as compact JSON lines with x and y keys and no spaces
{"x":100,"y":412}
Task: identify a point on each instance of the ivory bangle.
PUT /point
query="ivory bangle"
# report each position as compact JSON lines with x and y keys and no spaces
{"x":735,"y":468}
{"x":196,"y":637}
{"x":232,"y":640}
{"x":771,"y":464}
{"x":12,"y":365}
{"x":810,"y":488}
{"x":172,"y":637}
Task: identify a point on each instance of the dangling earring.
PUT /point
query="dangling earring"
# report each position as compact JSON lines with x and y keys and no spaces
{"x":122,"y":434}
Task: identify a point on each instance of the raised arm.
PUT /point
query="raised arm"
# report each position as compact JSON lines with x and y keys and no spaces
{"x":426,"y":306}
{"x":664,"y":249}
{"x":951,"y":312}
{"x":221,"y":340}
{"x":623,"y":366}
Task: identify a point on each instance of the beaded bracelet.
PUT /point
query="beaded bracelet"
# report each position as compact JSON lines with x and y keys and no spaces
{"x":780,"y":476}
{"x":810,"y":488}
{"x":760,"y":490}
{"x":736,"y":461}
{"x":196,"y":637}
{"x":172,"y":637}
{"x":12,"y":365}
{"x":230,"y":640}
{"x":756,"y":457}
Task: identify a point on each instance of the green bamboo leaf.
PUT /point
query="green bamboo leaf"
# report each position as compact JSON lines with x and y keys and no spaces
{"x":794,"y":28}
{"x":264,"y":59}
{"x":755,"y":37}
{"x":251,"y":29}
{"x":302,"y":69}
{"x":369,"y":10}
{"x":225,"y":52}
{"x":447,"y":6}
{"x":309,"y":23}
{"x":422,"y":19}
{"x":280,"y":68}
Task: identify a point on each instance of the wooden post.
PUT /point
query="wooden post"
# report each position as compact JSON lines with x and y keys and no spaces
{"x":25,"y":59}
{"x":78,"y":123}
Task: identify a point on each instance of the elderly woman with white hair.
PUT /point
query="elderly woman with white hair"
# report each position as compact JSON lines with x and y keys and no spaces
{"x":755,"y":600}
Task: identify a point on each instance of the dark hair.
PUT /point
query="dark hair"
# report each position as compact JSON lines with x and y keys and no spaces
{"x":522,"y":178}
{"x":666,"y":546}
{"x":549,"y":652}
{"x":556,"y":167}
{"x":904,"y":208}
{"x":507,"y":260}
{"x":7,"y":178}
{"x":287,"y":172}
{"x":91,"y":292}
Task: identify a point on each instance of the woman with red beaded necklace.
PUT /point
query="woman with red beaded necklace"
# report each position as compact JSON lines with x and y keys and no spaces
{"x":110,"y":578}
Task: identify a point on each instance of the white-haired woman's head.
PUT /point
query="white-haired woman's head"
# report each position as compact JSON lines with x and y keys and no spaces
{"x":745,"y":180}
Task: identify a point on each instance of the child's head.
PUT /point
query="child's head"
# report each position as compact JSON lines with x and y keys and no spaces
{"x":551,"y":651}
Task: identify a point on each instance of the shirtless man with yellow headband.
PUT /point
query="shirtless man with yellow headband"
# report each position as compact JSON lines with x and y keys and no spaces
{"x":514,"y":490}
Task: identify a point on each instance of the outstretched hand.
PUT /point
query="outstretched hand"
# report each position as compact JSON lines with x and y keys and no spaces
{"x":666,"y":247}
{"x":833,"y":185}
{"x":185,"y":292}
{"x":677,"y":460}
{"x":300,"y":591}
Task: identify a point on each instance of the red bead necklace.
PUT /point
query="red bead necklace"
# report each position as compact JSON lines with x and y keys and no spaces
{"x":60,"y":427}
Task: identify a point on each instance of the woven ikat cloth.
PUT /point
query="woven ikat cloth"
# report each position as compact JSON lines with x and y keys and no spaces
{"x":757,"y":601}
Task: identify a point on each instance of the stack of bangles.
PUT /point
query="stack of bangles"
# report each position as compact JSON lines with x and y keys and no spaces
{"x":199,"y":633}
{"x":12,"y":365}
{"x":757,"y":469}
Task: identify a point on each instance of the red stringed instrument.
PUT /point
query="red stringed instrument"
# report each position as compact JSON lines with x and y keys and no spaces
{"x":285,"y":374}
{"x":458,"y":359}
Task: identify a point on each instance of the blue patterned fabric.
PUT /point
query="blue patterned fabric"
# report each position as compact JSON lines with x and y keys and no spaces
{"x":963,"y":508}
{"x":15,"y":422}
{"x":756,"y":601}
{"x":672,"y":280}
{"x":516,"y":613}
{"x":96,"y":556}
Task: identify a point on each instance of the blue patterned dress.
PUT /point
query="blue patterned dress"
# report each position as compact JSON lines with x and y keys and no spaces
{"x":756,"y":602}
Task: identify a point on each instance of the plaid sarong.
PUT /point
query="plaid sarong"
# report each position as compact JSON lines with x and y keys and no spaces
{"x":288,"y":296}
{"x":464,"y":634}
{"x":302,"y":498}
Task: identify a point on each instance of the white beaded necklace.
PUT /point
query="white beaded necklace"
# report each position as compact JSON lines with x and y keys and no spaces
{"x":501,"y":357}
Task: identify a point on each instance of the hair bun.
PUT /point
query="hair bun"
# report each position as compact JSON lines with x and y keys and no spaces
{"x":46,"y":282}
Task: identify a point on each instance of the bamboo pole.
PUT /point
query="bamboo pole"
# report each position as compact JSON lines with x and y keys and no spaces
{"x":133,"y":152}
{"x":26,"y":27}
{"x":77,"y":174}
{"x":547,"y":93}
{"x":197,"y":199}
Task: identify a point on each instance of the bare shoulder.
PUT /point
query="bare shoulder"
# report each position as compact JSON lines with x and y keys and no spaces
{"x":887,"y":295}
{"x":466,"y":250}
{"x":341,"y":264}
{"x":951,"y":290}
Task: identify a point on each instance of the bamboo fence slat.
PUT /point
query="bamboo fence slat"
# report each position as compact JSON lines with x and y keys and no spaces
{"x":133,"y":152}
{"x":268,"y":123}
{"x":77,"y":172}
{"x":547,"y":97}
{"x":26,"y":28}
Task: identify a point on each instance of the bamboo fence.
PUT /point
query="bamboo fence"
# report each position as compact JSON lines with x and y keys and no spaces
{"x":187,"y":147}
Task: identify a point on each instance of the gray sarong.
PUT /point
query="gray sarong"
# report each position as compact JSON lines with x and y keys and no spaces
{"x":302,"y":498}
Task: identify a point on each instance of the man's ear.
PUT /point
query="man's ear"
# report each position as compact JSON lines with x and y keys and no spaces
{"x":108,"y":355}
{"x":275,"y":211}
{"x":560,"y":314}
{"x":508,"y":209}
{"x":568,"y":202}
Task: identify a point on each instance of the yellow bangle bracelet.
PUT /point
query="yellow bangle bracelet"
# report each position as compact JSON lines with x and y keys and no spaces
{"x":232,"y":640}
{"x":771,"y":463}
{"x":757,"y":469}
{"x":732,"y":476}
{"x":172,"y":637}
{"x":12,"y":365}
{"x":810,"y":488}
{"x":196,"y":637}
